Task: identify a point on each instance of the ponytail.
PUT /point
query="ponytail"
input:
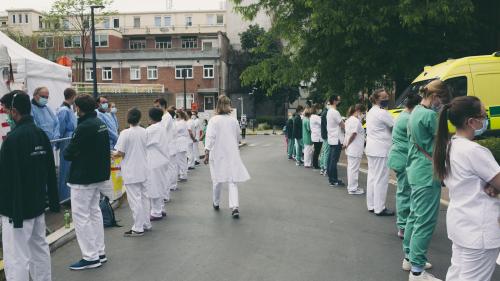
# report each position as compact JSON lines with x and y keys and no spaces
{"x":350,"y":111}
{"x":441,"y":158}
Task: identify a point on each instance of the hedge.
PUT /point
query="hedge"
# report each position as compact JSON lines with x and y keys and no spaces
{"x":493,"y":144}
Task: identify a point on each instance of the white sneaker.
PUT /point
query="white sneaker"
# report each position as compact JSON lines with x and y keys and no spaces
{"x":407,"y":265}
{"x":358,"y":191}
{"x":424,"y":276}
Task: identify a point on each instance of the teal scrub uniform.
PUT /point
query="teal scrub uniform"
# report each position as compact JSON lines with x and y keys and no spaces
{"x":425,"y":189}
{"x":398,"y":157}
{"x":323,"y":158}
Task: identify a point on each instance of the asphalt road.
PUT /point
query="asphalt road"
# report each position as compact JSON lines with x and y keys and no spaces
{"x":293,"y":226}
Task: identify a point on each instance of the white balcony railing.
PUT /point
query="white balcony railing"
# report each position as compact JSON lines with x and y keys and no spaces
{"x":119,"y":88}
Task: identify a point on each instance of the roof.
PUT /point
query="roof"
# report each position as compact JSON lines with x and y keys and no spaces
{"x":156,"y":55}
{"x":23,"y":10}
{"x":453,"y":67}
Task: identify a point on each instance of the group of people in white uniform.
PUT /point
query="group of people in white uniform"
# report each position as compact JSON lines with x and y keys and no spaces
{"x":417,"y":147}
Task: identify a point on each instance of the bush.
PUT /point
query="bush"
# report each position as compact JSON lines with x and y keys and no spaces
{"x":263,"y":126}
{"x":279,"y":122}
{"x":493,"y":144}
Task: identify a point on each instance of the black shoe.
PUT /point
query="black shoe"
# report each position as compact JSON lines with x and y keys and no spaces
{"x":385,"y":213}
{"x":236,"y":214}
{"x":132,"y":233}
{"x":216,"y":207}
{"x":196,"y":163}
{"x":190,"y":168}
{"x":103,"y":258}
{"x":371,"y":211}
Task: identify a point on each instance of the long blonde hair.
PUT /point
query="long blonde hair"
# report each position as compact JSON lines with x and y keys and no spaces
{"x":223,"y":105}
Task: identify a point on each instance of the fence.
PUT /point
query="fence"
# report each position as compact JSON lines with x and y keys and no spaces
{"x":119,"y":88}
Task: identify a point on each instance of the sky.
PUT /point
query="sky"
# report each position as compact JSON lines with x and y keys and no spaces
{"x":120,"y":5}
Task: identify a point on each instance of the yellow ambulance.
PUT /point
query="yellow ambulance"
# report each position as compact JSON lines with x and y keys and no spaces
{"x":469,"y":76}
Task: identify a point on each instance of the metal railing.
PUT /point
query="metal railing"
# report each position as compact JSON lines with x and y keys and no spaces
{"x":87,"y":87}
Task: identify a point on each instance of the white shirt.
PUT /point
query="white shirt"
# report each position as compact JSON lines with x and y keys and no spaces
{"x":315,"y":123}
{"x":132,"y":142}
{"x":182,"y":135}
{"x":333,"y":120}
{"x":156,"y":137}
{"x":472,"y":217}
{"x":353,"y":125}
{"x":379,"y":123}
{"x":168,"y":123}
{"x":222,"y":138}
{"x":196,"y":128}
{"x":190,"y":126}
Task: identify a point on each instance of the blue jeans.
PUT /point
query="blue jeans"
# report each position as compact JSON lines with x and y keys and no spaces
{"x":333,"y":159}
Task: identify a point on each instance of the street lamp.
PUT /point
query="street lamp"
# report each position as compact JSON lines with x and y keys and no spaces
{"x":94,"y":62}
{"x":184,"y":74}
{"x":241,"y":99}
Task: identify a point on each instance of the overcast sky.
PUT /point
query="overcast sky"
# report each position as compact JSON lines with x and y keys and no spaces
{"x":120,"y":5}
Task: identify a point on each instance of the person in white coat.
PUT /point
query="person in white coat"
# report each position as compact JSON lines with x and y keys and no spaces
{"x":315,"y":124}
{"x":354,"y":144}
{"x":222,"y":152}
{"x":131,"y":146}
{"x":472,"y":215}
{"x":379,"y":123}
{"x":157,"y":163}
{"x":182,"y":143}
{"x":192,"y":140}
{"x":173,"y":171}
{"x":197,"y":135}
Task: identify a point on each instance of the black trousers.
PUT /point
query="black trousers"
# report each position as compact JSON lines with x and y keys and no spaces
{"x":333,"y":159}
{"x":317,"y":150}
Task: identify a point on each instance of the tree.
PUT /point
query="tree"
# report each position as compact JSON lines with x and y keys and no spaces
{"x":352,"y":45}
{"x":75,"y":16}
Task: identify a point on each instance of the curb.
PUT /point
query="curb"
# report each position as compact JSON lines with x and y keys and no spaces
{"x":393,"y":182}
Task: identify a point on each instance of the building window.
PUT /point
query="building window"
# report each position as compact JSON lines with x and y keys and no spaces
{"x":26,"y":18}
{"x":209,"y":103}
{"x":137,"y":22}
{"x":137,"y":44}
{"x":107,"y":73}
{"x":208,"y":71}
{"x":105,"y":22}
{"x":211,"y":19}
{"x":163,"y":43}
{"x":116,"y":23}
{"x":20,"y":18}
{"x":179,"y":100}
{"x":101,"y":40}
{"x":168,"y":21}
{"x":157,"y":21}
{"x":187,"y":69}
{"x":207,"y":46}
{"x":66,"y":24}
{"x":13,"y":18}
{"x":88,"y":74}
{"x":220,"y":19}
{"x":45,"y":42}
{"x":40,"y":22}
{"x":72,"y":42}
{"x":135,"y":73}
{"x":152,"y":72}
{"x":189,"y":21}
{"x":4,"y":23}
{"x":189,"y":42}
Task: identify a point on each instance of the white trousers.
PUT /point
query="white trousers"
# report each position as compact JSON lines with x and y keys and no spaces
{"x":190,"y":155}
{"x":173,"y":173}
{"x":182,"y":164}
{"x":196,"y":151}
{"x":308,"y":154}
{"x":157,"y":207}
{"x":233,"y":195}
{"x":471,"y":264}
{"x":378,"y":183}
{"x":26,"y":251}
{"x":87,"y":218}
{"x":139,"y":204}
{"x":353,"y":172}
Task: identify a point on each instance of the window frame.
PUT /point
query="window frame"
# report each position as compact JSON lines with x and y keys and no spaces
{"x":137,"y":70}
{"x":135,"y":42}
{"x":105,"y":70}
{"x":73,"y":45}
{"x":98,"y":42}
{"x":13,"y":19}
{"x":157,"y":21}
{"x":178,"y":72}
{"x":45,"y":45}
{"x":188,"y":42}
{"x":116,"y":20}
{"x":209,"y":68}
{"x":154,"y":69}
{"x":190,"y":22}
{"x":26,"y":18}
{"x":169,"y":20}
{"x":139,"y":21}
{"x":106,"y":23}
{"x":88,"y":74}
{"x":217,"y":17}
{"x":179,"y":100}
{"x":205,"y":102}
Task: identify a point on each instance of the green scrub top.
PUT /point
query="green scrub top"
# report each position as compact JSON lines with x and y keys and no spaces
{"x":398,"y":155}
{"x":422,"y":126}
{"x":306,"y":132}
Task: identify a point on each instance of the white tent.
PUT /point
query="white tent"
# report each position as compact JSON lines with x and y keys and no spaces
{"x":32,"y":71}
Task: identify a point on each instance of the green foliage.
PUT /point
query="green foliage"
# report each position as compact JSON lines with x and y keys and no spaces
{"x":493,"y":144}
{"x":272,"y":121}
{"x":351,"y":45}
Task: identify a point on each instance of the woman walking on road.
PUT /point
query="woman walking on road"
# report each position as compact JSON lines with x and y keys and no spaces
{"x":425,"y":189}
{"x":222,"y":152}
{"x":474,"y":209}
{"x":398,"y":156}
{"x":354,"y":144}
{"x":379,"y":124}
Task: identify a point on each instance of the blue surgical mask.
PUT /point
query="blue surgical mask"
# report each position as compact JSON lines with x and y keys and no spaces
{"x":384,"y":103}
{"x":483,"y":129}
{"x":104,"y":106}
{"x":43,"y":101}
{"x":113,"y":110}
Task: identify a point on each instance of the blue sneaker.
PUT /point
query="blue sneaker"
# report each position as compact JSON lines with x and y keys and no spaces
{"x":85,"y":264}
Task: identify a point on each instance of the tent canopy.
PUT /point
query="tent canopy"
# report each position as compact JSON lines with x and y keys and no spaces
{"x":34,"y":71}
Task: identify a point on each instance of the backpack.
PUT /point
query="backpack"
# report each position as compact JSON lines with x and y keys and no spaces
{"x":108,"y":214}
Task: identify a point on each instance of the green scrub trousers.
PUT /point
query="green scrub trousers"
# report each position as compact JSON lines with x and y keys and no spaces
{"x":299,"y":147}
{"x":403,"y":193}
{"x":291,"y":147}
{"x":325,"y":152}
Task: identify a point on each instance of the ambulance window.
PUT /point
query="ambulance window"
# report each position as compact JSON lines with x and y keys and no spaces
{"x":458,"y":86}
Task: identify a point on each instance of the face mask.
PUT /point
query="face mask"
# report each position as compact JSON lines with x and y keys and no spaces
{"x":114,"y":110}
{"x":483,"y":129}
{"x":104,"y":106}
{"x":384,"y":103}
{"x":43,"y":101}
{"x":11,"y":122}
